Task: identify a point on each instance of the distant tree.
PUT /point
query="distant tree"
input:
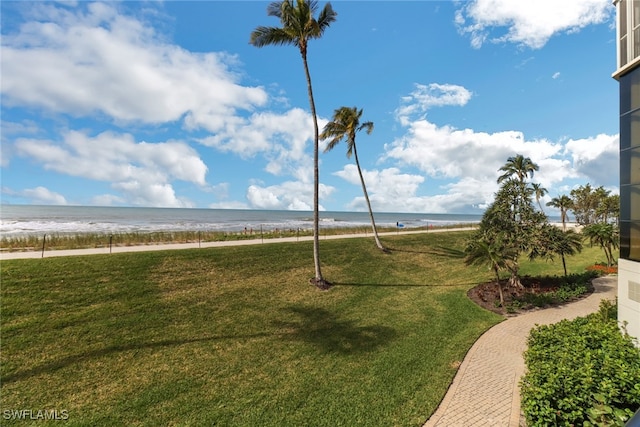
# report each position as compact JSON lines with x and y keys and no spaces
{"x":519,"y":166}
{"x":299,"y":26}
{"x":608,"y":208}
{"x":564,"y":203}
{"x":539,"y":192}
{"x":606,"y":235}
{"x":585,"y":202}
{"x":344,"y":126}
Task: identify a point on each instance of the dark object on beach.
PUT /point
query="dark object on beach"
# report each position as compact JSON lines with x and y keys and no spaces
{"x":321,"y":284}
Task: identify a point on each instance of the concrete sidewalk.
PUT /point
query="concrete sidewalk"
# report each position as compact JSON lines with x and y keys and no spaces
{"x":485,"y":391}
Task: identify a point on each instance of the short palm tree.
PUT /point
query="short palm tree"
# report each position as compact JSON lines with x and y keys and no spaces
{"x":606,"y":235}
{"x":564,"y":203}
{"x":483,"y":251}
{"x":345,"y":125}
{"x":553,"y":241}
{"x":298,"y":27}
{"x":517,"y":165}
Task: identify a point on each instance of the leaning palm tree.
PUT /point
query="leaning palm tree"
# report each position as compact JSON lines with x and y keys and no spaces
{"x":345,"y":125}
{"x":564,"y":203}
{"x":553,"y":241}
{"x":518,"y":165}
{"x":539,"y":191}
{"x":298,"y":27}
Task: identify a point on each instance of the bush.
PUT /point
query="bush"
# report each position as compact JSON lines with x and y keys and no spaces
{"x":581,"y":372}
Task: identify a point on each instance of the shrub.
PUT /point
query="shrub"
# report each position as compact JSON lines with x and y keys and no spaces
{"x":581,"y":372}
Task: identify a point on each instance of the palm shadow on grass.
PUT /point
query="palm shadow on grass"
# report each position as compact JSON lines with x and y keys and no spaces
{"x":330,"y":334}
{"x":73,"y":359}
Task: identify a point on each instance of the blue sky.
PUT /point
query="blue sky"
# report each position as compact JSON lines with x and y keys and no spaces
{"x":166,"y":104}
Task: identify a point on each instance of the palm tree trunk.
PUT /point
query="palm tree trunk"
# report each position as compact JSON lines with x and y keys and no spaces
{"x":316,"y":179}
{"x":366,"y":197}
{"x":564,"y":265}
{"x":499,"y":287}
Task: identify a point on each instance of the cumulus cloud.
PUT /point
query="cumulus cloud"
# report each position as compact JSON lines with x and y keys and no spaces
{"x":528,"y":23}
{"x":280,"y":137}
{"x":141,"y":171}
{"x":596,"y":158}
{"x":84,"y":61}
{"x":290,"y":195}
{"x":43,"y":196}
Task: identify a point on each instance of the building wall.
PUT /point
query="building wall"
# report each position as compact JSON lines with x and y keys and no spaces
{"x":628,"y":74}
{"x":629,"y":296}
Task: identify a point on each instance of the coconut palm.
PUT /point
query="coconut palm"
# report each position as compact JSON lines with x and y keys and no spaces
{"x":299,"y":26}
{"x":539,"y":192}
{"x":564,"y":203}
{"x":518,"y":165}
{"x":345,"y":125}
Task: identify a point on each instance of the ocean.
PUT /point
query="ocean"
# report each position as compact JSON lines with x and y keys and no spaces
{"x":18,"y":220}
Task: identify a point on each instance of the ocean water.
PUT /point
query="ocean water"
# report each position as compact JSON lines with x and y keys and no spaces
{"x":16,"y":220}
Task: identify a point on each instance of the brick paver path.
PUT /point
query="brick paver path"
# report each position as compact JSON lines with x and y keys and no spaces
{"x":485,"y":391}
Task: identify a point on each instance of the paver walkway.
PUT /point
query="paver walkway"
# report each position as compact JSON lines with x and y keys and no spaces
{"x":485,"y":391}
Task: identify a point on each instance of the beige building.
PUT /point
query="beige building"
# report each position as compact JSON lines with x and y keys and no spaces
{"x":628,"y":75}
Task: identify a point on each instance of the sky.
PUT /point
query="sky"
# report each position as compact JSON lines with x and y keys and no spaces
{"x":167,"y":104}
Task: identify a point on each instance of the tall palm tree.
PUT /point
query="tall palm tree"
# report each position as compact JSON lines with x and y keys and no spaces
{"x":518,"y":165}
{"x":345,"y":125}
{"x":564,"y":203}
{"x":539,"y":191}
{"x":299,"y":26}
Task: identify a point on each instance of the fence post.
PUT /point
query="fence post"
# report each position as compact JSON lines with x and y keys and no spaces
{"x":110,"y":241}
{"x":199,"y":246}
{"x":44,"y":239}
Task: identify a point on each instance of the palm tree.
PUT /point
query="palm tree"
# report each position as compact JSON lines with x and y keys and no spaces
{"x":518,"y":165}
{"x":298,"y":27}
{"x":345,"y":125}
{"x":605,"y":235}
{"x":539,"y":191}
{"x":564,"y":203}
{"x":483,"y":251}
{"x":553,"y":241}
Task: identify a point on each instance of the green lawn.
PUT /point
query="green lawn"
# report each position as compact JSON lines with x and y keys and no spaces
{"x":237,"y":337}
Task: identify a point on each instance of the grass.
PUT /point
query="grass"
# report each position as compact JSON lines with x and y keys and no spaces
{"x":58,"y":241}
{"x":236,"y":336}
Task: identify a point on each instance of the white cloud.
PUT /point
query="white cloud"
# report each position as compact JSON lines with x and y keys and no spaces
{"x":432,"y":95}
{"x":290,"y":195}
{"x":596,"y":158}
{"x":529,"y":23}
{"x":99,"y":61}
{"x":42,"y":195}
{"x":281,"y":138}
{"x":142,"y":171}
{"x":555,"y":75}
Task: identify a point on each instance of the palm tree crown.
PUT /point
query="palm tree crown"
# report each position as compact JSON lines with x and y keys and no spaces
{"x":518,"y":165}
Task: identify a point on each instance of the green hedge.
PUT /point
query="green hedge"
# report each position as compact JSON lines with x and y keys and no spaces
{"x":581,"y":372}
